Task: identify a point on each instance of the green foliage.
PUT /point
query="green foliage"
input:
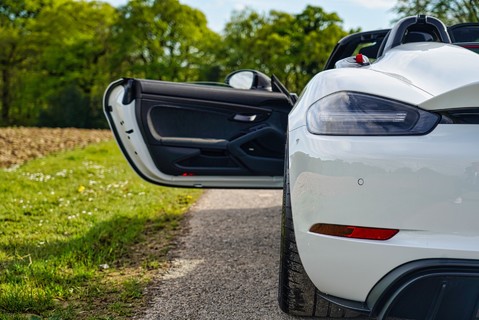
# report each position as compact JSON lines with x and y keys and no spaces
{"x":51,"y":44}
{"x":162,"y":40}
{"x":293,"y":47}
{"x":68,"y":107}
{"x":57,"y":56}
{"x":449,"y":11}
{"x":17,"y":48}
{"x":64,"y":219}
{"x":75,"y":39}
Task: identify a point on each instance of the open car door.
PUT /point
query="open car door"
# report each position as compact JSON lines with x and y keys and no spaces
{"x":197,"y":135}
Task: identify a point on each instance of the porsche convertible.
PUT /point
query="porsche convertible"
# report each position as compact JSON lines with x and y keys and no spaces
{"x":378,"y":159}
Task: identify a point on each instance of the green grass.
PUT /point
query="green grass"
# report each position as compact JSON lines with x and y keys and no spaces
{"x":81,"y":235}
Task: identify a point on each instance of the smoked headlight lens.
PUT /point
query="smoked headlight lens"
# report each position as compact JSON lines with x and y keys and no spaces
{"x":350,"y":113}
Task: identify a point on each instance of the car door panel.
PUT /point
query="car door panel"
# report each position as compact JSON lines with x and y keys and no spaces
{"x":197,"y":134}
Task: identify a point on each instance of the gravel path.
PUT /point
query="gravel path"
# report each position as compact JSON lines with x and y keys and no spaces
{"x":226,"y":266}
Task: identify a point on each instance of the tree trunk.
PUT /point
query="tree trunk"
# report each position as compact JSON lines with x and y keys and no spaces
{"x":5,"y":96}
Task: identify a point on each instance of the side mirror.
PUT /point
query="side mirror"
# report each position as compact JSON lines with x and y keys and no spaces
{"x":248,"y":79}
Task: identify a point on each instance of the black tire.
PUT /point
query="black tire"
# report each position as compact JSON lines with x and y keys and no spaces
{"x":297,"y":295}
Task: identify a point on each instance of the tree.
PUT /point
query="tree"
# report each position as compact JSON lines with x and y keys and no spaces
{"x":48,"y":45}
{"x":449,"y":11}
{"x":57,"y":56}
{"x":293,"y":47}
{"x":163,"y":40}
{"x":74,"y":37}
{"x":318,"y":34}
{"x":68,"y":107}
{"x":16,"y":17}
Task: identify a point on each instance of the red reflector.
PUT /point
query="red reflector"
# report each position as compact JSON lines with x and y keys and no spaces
{"x":353,"y":231}
{"x":187,"y":174}
{"x":359,"y":58}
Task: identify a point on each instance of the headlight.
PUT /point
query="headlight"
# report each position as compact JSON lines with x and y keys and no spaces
{"x":350,"y":113}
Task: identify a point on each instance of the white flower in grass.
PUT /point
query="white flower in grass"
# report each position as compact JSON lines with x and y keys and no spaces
{"x":62,"y":173}
{"x":104,"y":266}
{"x":12,"y":168}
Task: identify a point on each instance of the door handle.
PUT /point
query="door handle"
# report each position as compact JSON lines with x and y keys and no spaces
{"x":245,"y":118}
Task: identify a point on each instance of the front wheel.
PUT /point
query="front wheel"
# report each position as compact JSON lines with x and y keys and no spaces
{"x":297,"y":295}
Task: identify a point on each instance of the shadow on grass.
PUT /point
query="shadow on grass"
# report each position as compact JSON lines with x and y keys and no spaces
{"x":61,"y":269}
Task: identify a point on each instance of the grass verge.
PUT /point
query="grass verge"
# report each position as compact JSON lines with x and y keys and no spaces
{"x":81,"y":235}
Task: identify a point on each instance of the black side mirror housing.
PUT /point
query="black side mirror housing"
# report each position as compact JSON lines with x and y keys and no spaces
{"x":248,"y":79}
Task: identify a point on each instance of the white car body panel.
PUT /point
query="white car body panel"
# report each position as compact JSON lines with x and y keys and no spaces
{"x":463,"y":97}
{"x":425,"y":186}
{"x":422,"y":70}
{"x":428,"y":187}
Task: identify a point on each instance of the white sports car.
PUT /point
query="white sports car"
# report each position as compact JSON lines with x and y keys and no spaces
{"x":381,"y":173}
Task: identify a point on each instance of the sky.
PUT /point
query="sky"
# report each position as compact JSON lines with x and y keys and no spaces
{"x":366,"y":14}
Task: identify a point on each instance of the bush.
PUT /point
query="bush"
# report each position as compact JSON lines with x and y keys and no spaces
{"x":71,"y":107}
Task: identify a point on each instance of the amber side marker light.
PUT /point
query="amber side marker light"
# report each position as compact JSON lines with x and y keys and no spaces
{"x":353,"y":231}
